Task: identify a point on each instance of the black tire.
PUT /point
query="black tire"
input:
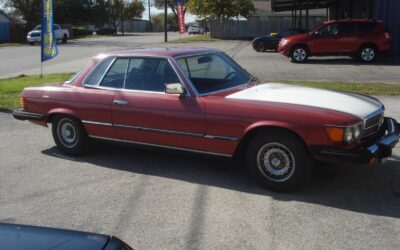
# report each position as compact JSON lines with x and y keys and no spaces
{"x":65,"y":39}
{"x":260,"y":46}
{"x":367,"y":53}
{"x":70,"y":135}
{"x":31,"y":43}
{"x":299,"y":54}
{"x":294,"y":163}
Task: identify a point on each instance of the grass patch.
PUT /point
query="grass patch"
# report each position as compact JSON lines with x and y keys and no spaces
{"x":361,"y":88}
{"x":195,"y":38}
{"x":11,"y":88}
{"x":10,"y":44}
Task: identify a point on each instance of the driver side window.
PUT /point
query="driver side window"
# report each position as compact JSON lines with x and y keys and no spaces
{"x":330,"y":29}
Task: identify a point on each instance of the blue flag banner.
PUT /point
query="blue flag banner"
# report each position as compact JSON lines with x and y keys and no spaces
{"x":49,"y":41}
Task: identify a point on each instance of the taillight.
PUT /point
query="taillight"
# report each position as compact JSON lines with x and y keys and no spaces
{"x":22,"y":102}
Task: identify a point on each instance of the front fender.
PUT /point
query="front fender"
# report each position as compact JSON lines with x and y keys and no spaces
{"x":275,"y":124}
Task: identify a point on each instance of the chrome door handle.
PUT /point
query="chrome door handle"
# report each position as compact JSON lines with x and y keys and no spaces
{"x":120,"y":102}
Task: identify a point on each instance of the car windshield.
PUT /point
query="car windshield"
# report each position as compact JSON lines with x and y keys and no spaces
{"x":39,"y":27}
{"x":214,"y":72}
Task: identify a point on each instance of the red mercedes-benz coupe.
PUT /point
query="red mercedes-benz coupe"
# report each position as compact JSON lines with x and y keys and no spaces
{"x":200,"y":100}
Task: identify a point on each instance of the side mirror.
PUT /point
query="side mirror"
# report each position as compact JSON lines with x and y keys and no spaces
{"x":175,"y":89}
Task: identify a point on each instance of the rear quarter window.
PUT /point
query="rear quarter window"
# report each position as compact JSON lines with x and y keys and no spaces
{"x":365,"y":27}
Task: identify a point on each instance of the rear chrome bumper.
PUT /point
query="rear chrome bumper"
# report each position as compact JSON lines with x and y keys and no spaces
{"x":23,"y":115}
{"x":381,"y":149}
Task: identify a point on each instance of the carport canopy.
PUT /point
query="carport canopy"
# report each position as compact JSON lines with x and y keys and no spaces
{"x":290,"y":5}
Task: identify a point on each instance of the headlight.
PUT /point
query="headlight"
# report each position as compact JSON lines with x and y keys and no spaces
{"x":284,"y":41}
{"x":347,"y":135}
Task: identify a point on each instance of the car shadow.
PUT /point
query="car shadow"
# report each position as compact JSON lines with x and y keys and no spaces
{"x":362,"y":189}
{"x":383,"y":60}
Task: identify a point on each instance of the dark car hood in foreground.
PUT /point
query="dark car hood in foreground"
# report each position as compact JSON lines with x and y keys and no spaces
{"x":35,"y":238}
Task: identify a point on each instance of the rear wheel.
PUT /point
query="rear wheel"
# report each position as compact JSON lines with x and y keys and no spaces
{"x":70,"y":135}
{"x":367,"y":53}
{"x":279,"y":160}
{"x":299,"y":54}
{"x":261,"y":46}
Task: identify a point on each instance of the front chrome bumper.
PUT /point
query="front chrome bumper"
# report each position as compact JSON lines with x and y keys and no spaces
{"x":379,"y":150}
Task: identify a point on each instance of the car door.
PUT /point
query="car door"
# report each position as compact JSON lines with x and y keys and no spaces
{"x":324,"y":41}
{"x":346,"y":40}
{"x":144,"y":113}
{"x":94,"y":101}
{"x":57,"y":31}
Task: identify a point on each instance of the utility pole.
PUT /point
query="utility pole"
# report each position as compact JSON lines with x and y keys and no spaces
{"x":165,"y":21}
{"x":151,"y":24}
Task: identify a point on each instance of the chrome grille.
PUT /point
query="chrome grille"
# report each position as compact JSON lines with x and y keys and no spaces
{"x":373,"y":123}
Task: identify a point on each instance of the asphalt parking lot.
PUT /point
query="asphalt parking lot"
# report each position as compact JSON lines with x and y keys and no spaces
{"x":168,"y":200}
{"x":268,"y":66}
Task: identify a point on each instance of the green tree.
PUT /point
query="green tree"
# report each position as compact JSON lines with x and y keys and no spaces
{"x":159,"y":19}
{"x":221,"y":9}
{"x":29,"y":10}
{"x":159,"y":4}
{"x":120,"y":11}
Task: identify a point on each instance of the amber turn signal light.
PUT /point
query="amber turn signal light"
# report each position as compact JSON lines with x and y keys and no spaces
{"x":335,"y":134}
{"x":22,"y":102}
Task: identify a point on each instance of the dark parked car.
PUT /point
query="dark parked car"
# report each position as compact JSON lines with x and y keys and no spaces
{"x":271,"y":42}
{"x":359,"y":38}
{"x":37,"y":238}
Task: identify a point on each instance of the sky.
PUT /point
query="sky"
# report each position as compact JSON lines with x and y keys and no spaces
{"x":188,"y":18}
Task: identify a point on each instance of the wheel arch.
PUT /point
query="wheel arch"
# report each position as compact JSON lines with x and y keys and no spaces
{"x":60,"y":111}
{"x":255,"y":129}
{"x":368,"y":44}
{"x":300,"y":45}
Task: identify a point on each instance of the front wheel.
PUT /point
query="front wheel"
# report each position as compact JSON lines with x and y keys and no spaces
{"x":299,"y":54}
{"x":261,"y":46}
{"x":70,"y":135}
{"x":279,"y":161}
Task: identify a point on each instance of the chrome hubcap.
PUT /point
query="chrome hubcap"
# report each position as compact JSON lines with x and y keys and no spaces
{"x":67,"y":133}
{"x":368,"y":54}
{"x":299,"y":54}
{"x":276,"y":162}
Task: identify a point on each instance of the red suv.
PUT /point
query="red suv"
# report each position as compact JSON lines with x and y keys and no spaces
{"x":359,"y":38}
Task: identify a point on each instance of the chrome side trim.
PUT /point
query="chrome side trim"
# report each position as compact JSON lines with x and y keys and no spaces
{"x":98,"y":123}
{"x":159,"y":146}
{"x":164,"y":131}
{"x":226,"y":138}
{"x":158,"y":130}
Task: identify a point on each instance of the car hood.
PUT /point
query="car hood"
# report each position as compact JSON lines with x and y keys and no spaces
{"x":345,"y":102}
{"x":31,"y":237}
{"x":264,"y":37}
{"x":35,"y":32}
{"x":297,"y":37}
